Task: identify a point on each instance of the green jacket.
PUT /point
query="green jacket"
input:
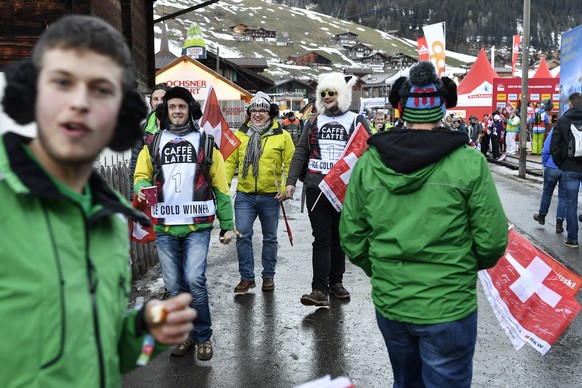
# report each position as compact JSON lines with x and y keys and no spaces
{"x":277,"y":152}
{"x":421,"y":216}
{"x":64,"y":279}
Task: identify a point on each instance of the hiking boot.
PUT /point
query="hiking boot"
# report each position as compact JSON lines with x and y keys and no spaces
{"x":316,"y":298}
{"x":570,"y":243}
{"x":540,"y":218}
{"x":559,"y":226}
{"x":183,"y":348}
{"x":243,"y":286}
{"x":339,"y":291}
{"x":268,"y":284}
{"x":205,"y":351}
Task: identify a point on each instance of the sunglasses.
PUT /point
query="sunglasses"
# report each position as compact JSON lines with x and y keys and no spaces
{"x":330,"y":93}
{"x":260,"y":111}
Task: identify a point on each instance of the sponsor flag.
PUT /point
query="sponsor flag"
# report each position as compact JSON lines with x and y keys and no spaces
{"x":515,"y":52}
{"x":422,"y":49}
{"x":335,"y":183}
{"x":435,"y":39}
{"x":138,"y":232}
{"x":532,"y":295}
{"x":213,"y":122}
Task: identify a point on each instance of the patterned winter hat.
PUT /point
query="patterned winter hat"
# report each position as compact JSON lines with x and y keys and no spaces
{"x":260,"y":100}
{"x":423,"y":97}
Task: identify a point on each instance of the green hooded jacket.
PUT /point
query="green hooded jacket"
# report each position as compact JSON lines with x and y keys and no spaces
{"x":64,"y":279}
{"x":421,"y":216}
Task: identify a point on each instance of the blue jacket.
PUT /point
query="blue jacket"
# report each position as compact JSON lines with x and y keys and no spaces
{"x":547,"y":160}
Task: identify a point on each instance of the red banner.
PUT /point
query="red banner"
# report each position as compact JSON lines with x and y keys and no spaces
{"x":213,"y":122}
{"x":335,"y":183}
{"x":422,"y":49}
{"x":515,"y":52}
{"x":532,"y":295}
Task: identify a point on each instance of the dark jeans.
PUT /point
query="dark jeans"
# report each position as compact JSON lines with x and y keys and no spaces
{"x":552,"y":177}
{"x":328,"y":260}
{"x":572,"y":180}
{"x":438,"y":355}
{"x":485,"y":144}
{"x":495,"y":145}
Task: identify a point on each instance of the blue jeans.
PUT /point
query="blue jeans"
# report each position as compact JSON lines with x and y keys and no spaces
{"x":183,"y":262}
{"x":572,"y":181}
{"x":552,"y":177}
{"x":246,"y":209}
{"x":439,"y":355}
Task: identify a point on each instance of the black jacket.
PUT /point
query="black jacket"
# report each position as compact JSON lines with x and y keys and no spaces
{"x":560,"y":139}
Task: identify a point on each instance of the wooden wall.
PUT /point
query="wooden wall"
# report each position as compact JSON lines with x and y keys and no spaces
{"x":22,"y":22}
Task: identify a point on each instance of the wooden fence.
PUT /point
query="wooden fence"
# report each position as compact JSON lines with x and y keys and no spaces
{"x":143,"y":256}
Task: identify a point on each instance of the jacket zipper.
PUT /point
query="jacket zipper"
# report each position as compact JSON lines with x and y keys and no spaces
{"x":93,"y":281}
{"x":258,"y":172}
{"x":61,"y":289}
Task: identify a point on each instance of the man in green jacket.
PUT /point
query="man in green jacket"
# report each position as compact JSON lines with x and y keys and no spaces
{"x":64,"y":278}
{"x":421,"y":217}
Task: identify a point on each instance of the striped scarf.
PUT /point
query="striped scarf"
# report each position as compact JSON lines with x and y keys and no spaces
{"x":253,"y":153}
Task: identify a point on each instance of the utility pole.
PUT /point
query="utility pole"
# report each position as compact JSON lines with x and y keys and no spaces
{"x":524,"y":81}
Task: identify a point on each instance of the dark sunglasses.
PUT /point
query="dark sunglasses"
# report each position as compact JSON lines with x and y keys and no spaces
{"x":330,"y":93}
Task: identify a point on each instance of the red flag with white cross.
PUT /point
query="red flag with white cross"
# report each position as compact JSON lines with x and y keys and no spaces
{"x":213,"y":122}
{"x":532,"y":294}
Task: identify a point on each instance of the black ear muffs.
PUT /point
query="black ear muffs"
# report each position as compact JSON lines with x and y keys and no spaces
{"x":20,"y":93}
{"x":449,"y":92}
{"x":162,"y":112}
{"x":394,"y":95}
{"x":128,"y":131}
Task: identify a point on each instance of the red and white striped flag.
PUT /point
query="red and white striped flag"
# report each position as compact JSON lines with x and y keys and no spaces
{"x":335,"y":183}
{"x":213,"y":122}
{"x":532,"y":295}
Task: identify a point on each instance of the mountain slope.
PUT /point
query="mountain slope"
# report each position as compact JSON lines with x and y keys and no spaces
{"x":307,"y":30}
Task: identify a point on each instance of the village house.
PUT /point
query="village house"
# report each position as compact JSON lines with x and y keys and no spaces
{"x":358,"y":50}
{"x":346,"y":38}
{"x":309,"y":59}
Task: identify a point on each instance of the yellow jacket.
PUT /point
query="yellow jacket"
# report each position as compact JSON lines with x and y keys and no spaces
{"x":277,"y":152}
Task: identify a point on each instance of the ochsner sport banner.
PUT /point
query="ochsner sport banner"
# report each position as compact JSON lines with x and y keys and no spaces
{"x":435,"y":39}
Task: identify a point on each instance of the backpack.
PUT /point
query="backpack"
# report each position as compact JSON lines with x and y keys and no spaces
{"x":537,"y":118}
{"x":307,"y":127}
{"x":575,"y":142}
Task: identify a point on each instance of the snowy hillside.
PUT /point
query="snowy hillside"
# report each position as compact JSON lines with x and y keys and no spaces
{"x":304,"y":30}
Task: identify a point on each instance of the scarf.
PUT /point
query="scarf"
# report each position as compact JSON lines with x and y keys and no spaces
{"x":184,"y":129}
{"x":253,"y":153}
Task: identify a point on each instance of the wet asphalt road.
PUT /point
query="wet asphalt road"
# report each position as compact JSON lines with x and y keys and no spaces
{"x":271,"y":340}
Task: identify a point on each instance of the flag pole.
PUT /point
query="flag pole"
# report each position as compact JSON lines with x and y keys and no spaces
{"x":287,"y":226}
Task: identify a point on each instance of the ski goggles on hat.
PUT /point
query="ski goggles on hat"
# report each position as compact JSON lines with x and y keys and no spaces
{"x":330,"y":93}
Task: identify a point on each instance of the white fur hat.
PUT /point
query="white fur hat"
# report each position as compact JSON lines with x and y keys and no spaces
{"x":341,"y":84}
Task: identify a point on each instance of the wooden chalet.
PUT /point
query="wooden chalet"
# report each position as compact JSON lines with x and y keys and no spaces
{"x":376,"y":59}
{"x":359,"y":50}
{"x":400,"y":61}
{"x":310,"y":59}
{"x":346,"y":38}
{"x":24,"y":20}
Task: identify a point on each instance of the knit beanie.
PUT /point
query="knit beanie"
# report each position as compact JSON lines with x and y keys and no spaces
{"x":423,"y":97}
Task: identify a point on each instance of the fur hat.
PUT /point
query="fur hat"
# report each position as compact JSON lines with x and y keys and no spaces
{"x":423,"y":97}
{"x":339,"y":83}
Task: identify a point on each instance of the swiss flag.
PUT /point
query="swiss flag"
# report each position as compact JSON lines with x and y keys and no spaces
{"x":213,"y":122}
{"x":532,"y":295}
{"x":335,"y":183}
{"x":137,"y":232}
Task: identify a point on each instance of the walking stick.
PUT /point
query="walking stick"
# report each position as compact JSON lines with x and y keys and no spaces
{"x":283,"y":209}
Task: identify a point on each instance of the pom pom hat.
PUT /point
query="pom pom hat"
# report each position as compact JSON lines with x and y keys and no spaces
{"x":423,"y":97}
{"x":338,"y":83}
